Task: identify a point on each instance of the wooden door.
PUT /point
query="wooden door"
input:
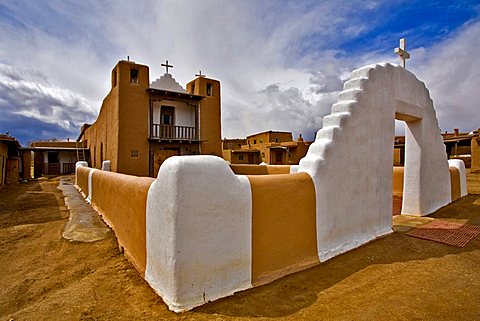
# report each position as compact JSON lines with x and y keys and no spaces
{"x":159,"y":156}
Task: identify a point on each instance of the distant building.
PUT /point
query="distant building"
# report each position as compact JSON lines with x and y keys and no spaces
{"x":14,"y":162}
{"x":271,"y":147}
{"x":464,"y":146}
{"x":56,"y":157}
{"x":141,"y":124}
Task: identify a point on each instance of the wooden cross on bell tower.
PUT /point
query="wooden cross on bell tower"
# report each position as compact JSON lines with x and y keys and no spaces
{"x":166,"y":65}
{"x":402,"y":51}
{"x":200,"y":74}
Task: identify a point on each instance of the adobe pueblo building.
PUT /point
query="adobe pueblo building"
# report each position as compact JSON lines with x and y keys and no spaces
{"x":141,"y":124}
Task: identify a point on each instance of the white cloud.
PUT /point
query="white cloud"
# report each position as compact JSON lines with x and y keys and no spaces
{"x":29,"y":96}
{"x":279,"y":63}
{"x":451,"y":71}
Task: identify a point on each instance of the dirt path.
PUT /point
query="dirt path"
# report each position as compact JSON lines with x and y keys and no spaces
{"x":44,"y":277}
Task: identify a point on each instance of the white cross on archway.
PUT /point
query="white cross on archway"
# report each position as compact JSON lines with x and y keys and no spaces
{"x":402,"y":51}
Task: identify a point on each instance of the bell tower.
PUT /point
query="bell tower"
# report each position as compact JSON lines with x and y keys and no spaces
{"x":210,"y":114}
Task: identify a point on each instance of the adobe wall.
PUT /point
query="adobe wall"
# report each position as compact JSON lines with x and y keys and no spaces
{"x":103,"y":133}
{"x":81,"y":178}
{"x":264,"y":231}
{"x":458,"y":180}
{"x":12,"y":171}
{"x":3,"y":162}
{"x":240,"y":169}
{"x":283,"y":226}
{"x":475,"y":152}
{"x":397,"y":179}
{"x":27,"y":164}
{"x":121,"y":200}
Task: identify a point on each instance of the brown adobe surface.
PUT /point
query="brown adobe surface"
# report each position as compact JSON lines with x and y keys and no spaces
{"x":44,"y":277}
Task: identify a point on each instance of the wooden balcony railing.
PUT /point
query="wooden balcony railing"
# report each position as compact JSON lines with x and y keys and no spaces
{"x":54,"y":168}
{"x":173,"y":132}
{"x":68,"y":168}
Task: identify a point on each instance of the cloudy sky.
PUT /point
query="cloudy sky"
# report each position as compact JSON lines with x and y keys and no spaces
{"x":281,"y":63}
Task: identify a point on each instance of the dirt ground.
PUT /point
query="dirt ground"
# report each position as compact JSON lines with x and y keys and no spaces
{"x":45,"y":277}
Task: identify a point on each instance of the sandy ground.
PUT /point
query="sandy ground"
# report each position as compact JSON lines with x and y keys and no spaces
{"x":45,"y":277}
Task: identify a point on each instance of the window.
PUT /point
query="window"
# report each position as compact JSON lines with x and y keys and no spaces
{"x":261,"y":140}
{"x":209,"y":90}
{"x":277,"y":140}
{"x":254,"y":141}
{"x":240,"y":157}
{"x":134,"y":153}
{"x":134,"y":76}
{"x":166,"y":115}
{"x":263,"y":155}
{"x":114,"y":78}
{"x":193,"y":89}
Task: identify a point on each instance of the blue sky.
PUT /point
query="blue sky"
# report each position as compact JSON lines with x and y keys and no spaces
{"x":281,"y":63}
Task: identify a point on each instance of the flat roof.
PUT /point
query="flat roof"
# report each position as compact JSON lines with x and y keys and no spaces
{"x":54,"y":149}
{"x":270,"y":131}
{"x":9,"y":140}
{"x":173,"y":94}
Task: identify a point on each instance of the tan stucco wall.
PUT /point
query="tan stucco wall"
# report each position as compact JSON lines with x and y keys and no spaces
{"x":283,"y":225}
{"x":11,"y":173}
{"x":3,"y":165}
{"x":240,"y":169}
{"x":104,"y":133}
{"x":82,"y":179}
{"x":27,"y":164}
{"x":227,"y":155}
{"x":122,"y":200}
{"x":455,"y":183}
{"x":397,"y":188}
{"x":475,"y":152}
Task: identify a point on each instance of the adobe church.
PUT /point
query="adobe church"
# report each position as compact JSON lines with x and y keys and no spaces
{"x":141,"y":124}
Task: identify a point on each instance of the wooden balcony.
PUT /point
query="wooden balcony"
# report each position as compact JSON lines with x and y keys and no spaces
{"x":170,"y":132}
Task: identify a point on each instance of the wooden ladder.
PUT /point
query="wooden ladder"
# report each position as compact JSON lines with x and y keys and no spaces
{"x":80,"y":153}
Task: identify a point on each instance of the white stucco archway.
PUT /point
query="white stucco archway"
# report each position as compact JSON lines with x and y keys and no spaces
{"x":351,"y":159}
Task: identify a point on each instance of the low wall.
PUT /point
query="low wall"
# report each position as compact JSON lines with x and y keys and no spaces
{"x":458,"y":185}
{"x":284,"y":238}
{"x":81,"y":178}
{"x":397,"y":187}
{"x":121,"y":200}
{"x":260,"y":169}
{"x":199,"y":232}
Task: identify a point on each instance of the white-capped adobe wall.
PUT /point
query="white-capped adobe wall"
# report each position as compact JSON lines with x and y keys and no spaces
{"x":199,"y":216}
{"x":351,"y":161}
{"x":460,"y":165}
